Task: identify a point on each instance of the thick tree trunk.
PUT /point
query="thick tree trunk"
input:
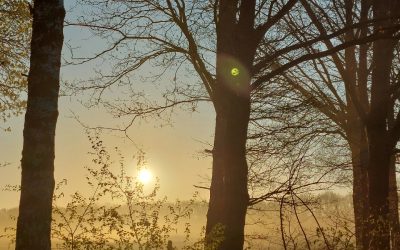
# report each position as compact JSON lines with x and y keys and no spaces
{"x":379,"y":233}
{"x":360,"y":192}
{"x":360,"y":197}
{"x":37,"y":183}
{"x":236,"y":47}
{"x":229,"y":197}
{"x":380,"y":148}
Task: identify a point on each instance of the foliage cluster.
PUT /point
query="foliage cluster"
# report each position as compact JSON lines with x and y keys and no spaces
{"x":15,"y":33}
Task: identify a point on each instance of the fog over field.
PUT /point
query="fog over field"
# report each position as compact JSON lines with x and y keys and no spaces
{"x":263,"y":230}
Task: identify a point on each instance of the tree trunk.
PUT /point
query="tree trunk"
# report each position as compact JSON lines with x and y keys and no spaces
{"x":380,"y":148}
{"x":37,"y":183}
{"x":229,"y":197}
{"x":356,"y":135}
{"x":393,"y":195}
{"x":379,"y":233}
{"x":394,"y":206}
{"x":236,"y":47}
{"x":355,"y":130}
{"x":360,"y":192}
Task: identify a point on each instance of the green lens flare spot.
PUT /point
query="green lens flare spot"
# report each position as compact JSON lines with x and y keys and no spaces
{"x":235,"y":72}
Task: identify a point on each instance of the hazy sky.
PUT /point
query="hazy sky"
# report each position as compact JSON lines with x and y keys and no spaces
{"x":173,"y":153}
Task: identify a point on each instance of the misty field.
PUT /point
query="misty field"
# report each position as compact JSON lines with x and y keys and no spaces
{"x":263,"y":230}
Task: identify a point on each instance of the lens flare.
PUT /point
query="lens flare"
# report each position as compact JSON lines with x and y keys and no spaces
{"x":235,"y":72}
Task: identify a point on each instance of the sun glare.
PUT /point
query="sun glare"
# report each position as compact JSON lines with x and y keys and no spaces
{"x":144,"y":176}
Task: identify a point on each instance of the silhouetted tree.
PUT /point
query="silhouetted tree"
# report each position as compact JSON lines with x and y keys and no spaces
{"x":382,"y":136}
{"x":341,"y":86}
{"x":37,"y":182}
{"x":173,"y":32}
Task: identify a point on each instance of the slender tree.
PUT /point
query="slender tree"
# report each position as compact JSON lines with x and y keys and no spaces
{"x":37,"y":183}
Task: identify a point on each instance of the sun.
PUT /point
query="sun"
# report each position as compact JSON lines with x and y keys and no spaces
{"x":144,"y":176}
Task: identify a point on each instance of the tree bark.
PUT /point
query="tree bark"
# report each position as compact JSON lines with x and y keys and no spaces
{"x":393,"y":206}
{"x":229,"y":196}
{"x":37,"y":183}
{"x":380,"y":150}
{"x":379,"y":233}
{"x":360,"y":191}
{"x":380,"y":147}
